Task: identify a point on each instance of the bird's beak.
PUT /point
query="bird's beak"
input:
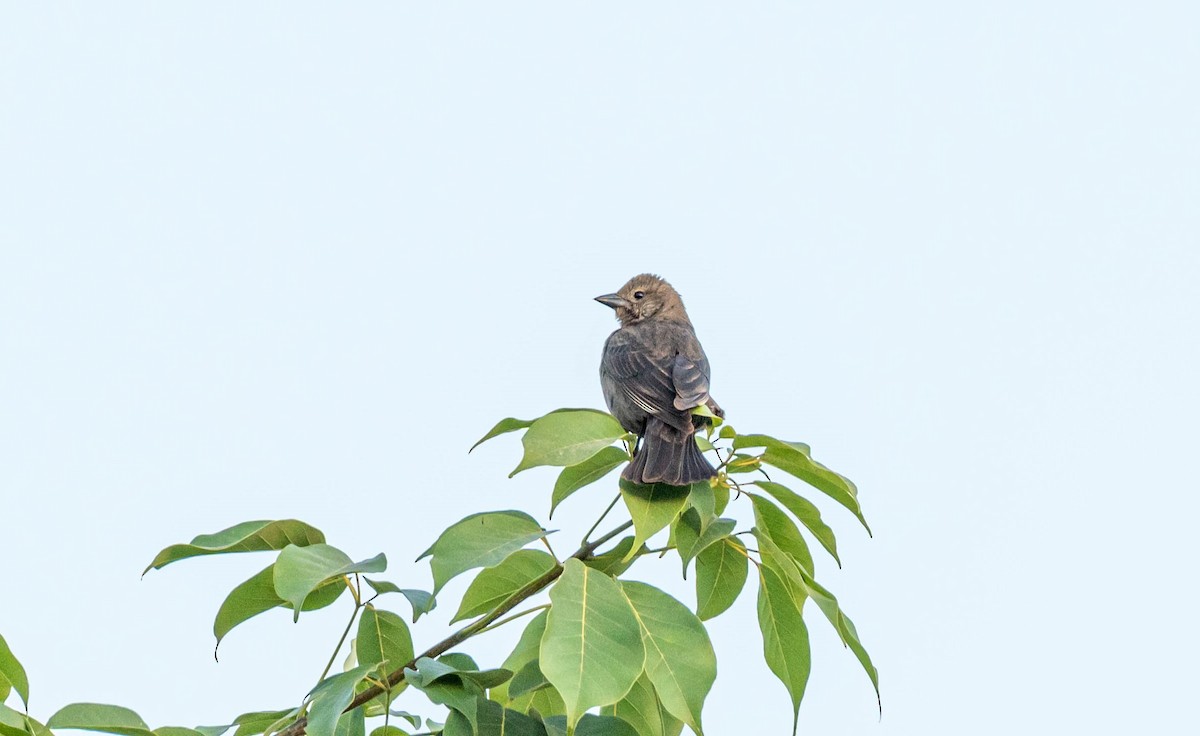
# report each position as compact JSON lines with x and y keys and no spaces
{"x":615,"y":301}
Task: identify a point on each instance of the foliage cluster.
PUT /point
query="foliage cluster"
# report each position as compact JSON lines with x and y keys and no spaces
{"x":600,"y":654}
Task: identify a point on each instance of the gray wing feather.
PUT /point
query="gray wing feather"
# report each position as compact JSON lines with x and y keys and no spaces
{"x":648,"y":379}
{"x":690,"y":378}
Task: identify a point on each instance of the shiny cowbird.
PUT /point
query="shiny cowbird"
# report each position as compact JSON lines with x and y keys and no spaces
{"x":653,"y":374}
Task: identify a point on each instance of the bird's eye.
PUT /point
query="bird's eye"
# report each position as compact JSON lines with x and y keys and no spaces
{"x":639,"y":294}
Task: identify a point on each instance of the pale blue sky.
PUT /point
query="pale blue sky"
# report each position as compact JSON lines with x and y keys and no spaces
{"x":273,"y":260}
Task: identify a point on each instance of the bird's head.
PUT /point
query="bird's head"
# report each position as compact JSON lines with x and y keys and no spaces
{"x":644,"y":297}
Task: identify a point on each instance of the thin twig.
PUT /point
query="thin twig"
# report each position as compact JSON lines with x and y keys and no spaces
{"x":724,"y":460}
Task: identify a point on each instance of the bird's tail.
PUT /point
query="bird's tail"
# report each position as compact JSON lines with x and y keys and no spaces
{"x":669,"y":456}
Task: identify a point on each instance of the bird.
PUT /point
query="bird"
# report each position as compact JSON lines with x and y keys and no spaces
{"x":653,"y":373}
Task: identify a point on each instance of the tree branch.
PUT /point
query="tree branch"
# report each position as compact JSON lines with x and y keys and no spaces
{"x":297,"y":728}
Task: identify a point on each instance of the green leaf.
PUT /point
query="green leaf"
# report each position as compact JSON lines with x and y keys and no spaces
{"x":176,"y":731}
{"x":389,"y":730}
{"x":652,"y":507}
{"x":744,"y":464}
{"x":282,"y":723}
{"x":496,"y":720}
{"x":704,"y":411}
{"x":185,"y":731}
{"x":528,"y":645}
{"x":459,"y":661}
{"x":841,"y":623}
{"x":249,"y":536}
{"x":685,"y":532}
{"x":850,"y":636}
{"x":522,"y":654}
{"x":511,"y":424}
{"x":352,"y":723}
{"x":594,"y":725}
{"x":761,"y":440}
{"x":713,"y":533}
{"x":458,"y":724}
{"x":527,"y":679}
{"x":33,"y":726}
{"x":806,"y":512}
{"x":802,"y":584}
{"x":446,"y":668}
{"x":574,"y":477}
{"x":783,"y":532}
{"x":453,"y":687}
{"x":691,"y":538}
{"x":12,"y":723}
{"x":590,"y":725}
{"x":680,"y":661}
{"x":330,"y":698}
{"x":567,"y":438}
{"x":720,"y":499}
{"x":545,"y":700}
{"x":384,"y":639}
{"x":704,"y":499}
{"x":98,"y":717}
{"x":721,"y":571}
{"x":383,"y":586}
{"x":615,"y":561}
{"x":301,"y":570}
{"x":495,"y":585}
{"x":480,"y":540}
{"x":257,"y":595}
{"x":12,"y":674}
{"x":793,"y":458}
{"x":785,"y":637}
{"x":783,"y":563}
{"x":421,"y":601}
{"x":256,"y":722}
{"x":504,"y":426}
{"x":540,"y":703}
{"x":641,"y":709}
{"x":592,"y":649}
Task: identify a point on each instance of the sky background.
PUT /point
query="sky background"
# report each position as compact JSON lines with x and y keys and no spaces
{"x":272,"y":260}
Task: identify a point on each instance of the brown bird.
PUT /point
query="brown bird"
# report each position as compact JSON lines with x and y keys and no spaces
{"x":653,"y":373}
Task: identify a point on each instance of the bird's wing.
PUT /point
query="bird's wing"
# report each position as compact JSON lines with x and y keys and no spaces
{"x":646,"y":379}
{"x":690,"y":378}
{"x":664,"y":385}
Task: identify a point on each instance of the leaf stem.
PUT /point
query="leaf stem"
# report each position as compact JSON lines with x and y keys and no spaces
{"x":513,"y":617}
{"x":610,"y":508}
{"x":349,"y":624}
{"x":664,"y":549}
